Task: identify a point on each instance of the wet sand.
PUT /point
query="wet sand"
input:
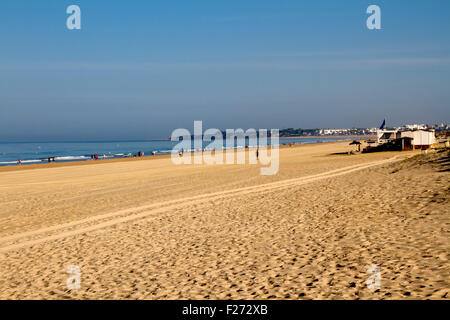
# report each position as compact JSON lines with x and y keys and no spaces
{"x":146,"y":229}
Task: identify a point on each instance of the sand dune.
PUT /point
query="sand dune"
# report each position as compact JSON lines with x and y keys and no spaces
{"x":151,"y":230}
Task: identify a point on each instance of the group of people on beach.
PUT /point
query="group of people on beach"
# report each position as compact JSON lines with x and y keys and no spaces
{"x":139,"y":154}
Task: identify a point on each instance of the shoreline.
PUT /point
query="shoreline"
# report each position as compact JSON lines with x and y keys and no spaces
{"x":46,"y":165}
{"x":85,"y":158}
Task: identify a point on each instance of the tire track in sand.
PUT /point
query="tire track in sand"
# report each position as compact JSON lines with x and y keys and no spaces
{"x":151,"y":210}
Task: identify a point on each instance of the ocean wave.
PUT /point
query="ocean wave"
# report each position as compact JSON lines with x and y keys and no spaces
{"x":17,"y":162}
{"x":8,"y":162}
{"x":69,"y":158}
{"x":31,"y":161}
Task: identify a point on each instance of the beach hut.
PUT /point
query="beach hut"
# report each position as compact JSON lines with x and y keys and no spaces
{"x":420,"y":139}
{"x":404,"y":143}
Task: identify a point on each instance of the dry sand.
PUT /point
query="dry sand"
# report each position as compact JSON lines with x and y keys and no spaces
{"x":147,"y":229}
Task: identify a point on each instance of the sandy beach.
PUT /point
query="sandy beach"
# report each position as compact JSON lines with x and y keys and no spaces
{"x":147,"y":229}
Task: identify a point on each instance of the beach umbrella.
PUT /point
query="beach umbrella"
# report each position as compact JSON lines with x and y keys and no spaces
{"x":354,"y":142}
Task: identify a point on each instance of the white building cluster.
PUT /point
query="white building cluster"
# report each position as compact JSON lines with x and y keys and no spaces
{"x":347,"y":131}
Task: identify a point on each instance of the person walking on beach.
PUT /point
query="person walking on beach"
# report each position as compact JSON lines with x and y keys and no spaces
{"x":20,"y":161}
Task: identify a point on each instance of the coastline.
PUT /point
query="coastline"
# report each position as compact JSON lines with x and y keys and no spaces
{"x":77,"y":163}
{"x":17,"y":167}
{"x":35,"y":153}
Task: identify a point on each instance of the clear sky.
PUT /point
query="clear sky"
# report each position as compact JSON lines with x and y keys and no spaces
{"x":139,"y":69}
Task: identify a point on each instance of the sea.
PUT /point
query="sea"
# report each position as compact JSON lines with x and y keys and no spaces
{"x":39,"y":152}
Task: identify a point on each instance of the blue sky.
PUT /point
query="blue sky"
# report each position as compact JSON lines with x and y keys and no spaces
{"x":139,"y":69}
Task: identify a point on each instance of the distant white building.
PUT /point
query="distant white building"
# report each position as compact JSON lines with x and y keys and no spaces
{"x":334,"y":131}
{"x":416,"y":126}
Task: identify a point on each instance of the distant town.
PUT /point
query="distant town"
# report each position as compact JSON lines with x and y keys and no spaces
{"x":327,"y":132}
{"x":291,"y":132}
